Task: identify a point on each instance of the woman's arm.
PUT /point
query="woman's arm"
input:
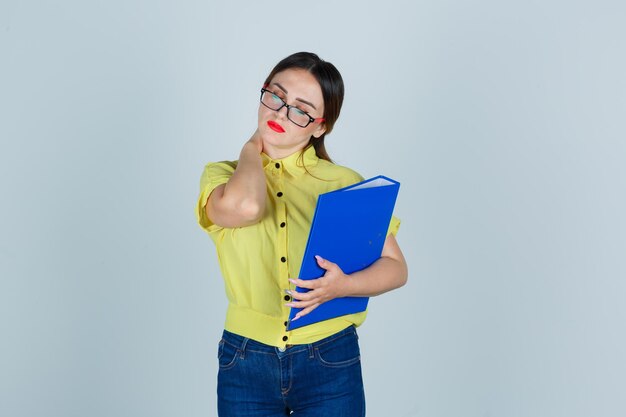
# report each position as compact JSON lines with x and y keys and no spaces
{"x":387,"y":273}
{"x":241,"y":201}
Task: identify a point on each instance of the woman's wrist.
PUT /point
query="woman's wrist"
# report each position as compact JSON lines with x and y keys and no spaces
{"x":255,"y":142}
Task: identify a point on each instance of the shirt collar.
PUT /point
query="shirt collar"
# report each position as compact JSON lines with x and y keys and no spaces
{"x":295,"y":163}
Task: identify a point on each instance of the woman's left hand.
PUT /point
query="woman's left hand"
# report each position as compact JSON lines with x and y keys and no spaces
{"x":328,"y":287}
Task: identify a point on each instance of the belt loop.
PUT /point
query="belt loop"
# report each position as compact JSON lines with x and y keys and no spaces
{"x":242,"y":349}
{"x":311,"y":354}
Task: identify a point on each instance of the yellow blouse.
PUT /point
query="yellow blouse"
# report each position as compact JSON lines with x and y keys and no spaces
{"x":256,"y":261}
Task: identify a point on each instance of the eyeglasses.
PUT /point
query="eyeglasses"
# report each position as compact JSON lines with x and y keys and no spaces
{"x":297,"y":116}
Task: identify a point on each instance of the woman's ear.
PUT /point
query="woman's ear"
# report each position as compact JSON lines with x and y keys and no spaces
{"x":321,"y":129}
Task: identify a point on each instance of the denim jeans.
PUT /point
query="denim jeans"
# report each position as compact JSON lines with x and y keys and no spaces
{"x":322,"y":379}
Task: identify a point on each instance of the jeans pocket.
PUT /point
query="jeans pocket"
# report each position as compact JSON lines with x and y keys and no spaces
{"x":341,"y":352}
{"x":227,"y":355}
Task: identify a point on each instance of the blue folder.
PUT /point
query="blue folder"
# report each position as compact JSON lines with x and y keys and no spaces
{"x":349,"y":228}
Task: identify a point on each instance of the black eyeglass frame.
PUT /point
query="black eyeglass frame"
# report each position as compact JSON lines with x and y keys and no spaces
{"x":289,"y":107}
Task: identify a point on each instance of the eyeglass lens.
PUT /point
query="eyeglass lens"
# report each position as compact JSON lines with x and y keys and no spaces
{"x":294,"y":114}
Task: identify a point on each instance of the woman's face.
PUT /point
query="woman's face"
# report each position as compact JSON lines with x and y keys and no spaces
{"x":297,"y":88}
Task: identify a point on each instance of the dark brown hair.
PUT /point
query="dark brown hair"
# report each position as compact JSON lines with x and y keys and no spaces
{"x":331,"y":84}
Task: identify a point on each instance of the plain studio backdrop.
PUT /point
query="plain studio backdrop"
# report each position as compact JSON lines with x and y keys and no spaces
{"x":504,"y":122}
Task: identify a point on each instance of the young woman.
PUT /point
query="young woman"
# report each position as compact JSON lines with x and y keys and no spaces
{"x":258,"y":211}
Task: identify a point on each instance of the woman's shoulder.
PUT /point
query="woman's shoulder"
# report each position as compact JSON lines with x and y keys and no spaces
{"x":330,"y":170}
{"x":216,"y":173}
{"x":220,"y":167}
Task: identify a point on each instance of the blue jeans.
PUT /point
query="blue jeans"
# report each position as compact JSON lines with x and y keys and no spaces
{"x":322,"y":379}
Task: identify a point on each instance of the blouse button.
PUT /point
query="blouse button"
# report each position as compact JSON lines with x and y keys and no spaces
{"x":277,"y":165}
{"x":283,"y":259}
{"x":282,"y":224}
{"x":285,"y":338}
{"x":287,"y":298}
{"x":279,"y":194}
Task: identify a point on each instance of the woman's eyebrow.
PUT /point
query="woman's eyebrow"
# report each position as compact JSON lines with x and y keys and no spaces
{"x":306,"y":102}
{"x":281,"y":87}
{"x":297,"y":99}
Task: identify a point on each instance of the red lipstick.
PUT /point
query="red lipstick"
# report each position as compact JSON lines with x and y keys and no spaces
{"x":275,"y":127}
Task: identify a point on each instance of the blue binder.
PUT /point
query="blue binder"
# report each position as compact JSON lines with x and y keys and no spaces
{"x":349,"y":228}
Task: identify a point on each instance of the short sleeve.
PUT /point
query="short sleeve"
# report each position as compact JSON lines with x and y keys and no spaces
{"x":214,"y":175}
{"x":394,"y":225}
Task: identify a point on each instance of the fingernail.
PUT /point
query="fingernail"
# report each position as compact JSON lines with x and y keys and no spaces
{"x":295,"y":318}
{"x":292,"y":281}
{"x":288,"y":292}
{"x":319,"y":258}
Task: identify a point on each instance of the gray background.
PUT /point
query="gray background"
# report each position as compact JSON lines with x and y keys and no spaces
{"x":504,"y":122}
